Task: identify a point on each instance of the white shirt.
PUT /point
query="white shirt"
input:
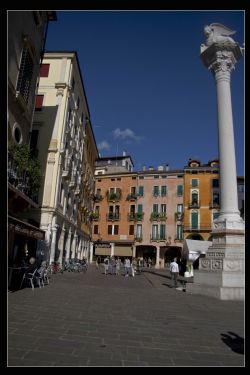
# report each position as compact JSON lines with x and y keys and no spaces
{"x":174,"y":267}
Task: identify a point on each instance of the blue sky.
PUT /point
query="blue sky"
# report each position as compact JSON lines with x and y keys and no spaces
{"x":149,"y":93}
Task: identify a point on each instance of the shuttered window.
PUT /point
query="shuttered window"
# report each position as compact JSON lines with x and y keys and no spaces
{"x":194,"y":218}
{"x":44,"y":70}
{"x":39,"y":102}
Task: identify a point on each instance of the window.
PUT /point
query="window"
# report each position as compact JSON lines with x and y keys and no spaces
{"x":17,"y":133}
{"x":132,"y":190}
{"x":194,"y":220}
{"x":156,"y":176}
{"x":25,"y":74}
{"x":33,"y":142}
{"x":179,"y":190}
{"x":180,"y":208}
{"x":39,"y":102}
{"x":78,"y":102}
{"x":163,"y":191}
{"x":215,"y":183}
{"x":95,"y":229}
{"x":155,"y":208}
{"x":133,"y":178}
{"x":131,"y":230}
{"x":194,"y":182}
{"x":155,"y":191}
{"x":73,"y":83}
{"x":154,"y":232}
{"x":139,"y":231}
{"x":163,"y":208}
{"x":61,"y":195}
{"x":141,"y":191}
{"x":44,"y":70}
{"x":215,"y":215}
{"x":162,"y":232}
{"x":194,"y":198}
{"x":216,"y":198}
{"x":179,"y":232}
{"x":141,"y":177}
{"x":140,"y":208}
{"x":113,"y":229}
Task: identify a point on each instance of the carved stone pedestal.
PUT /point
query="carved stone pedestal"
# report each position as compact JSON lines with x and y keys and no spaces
{"x":221,"y":273}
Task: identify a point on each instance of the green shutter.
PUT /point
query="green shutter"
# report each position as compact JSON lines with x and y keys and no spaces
{"x":179,"y":190}
{"x":194,"y":220}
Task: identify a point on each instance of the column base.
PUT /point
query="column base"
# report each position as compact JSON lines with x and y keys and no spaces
{"x":221,"y":272}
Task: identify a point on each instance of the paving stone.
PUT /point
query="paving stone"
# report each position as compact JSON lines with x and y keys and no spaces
{"x":96,"y":320}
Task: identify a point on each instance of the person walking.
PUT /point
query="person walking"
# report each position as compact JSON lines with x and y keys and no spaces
{"x":174,"y":271}
{"x":106,"y":265}
{"x":127,"y":266}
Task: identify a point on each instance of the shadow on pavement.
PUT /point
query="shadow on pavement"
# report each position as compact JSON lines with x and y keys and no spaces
{"x":234,"y":341}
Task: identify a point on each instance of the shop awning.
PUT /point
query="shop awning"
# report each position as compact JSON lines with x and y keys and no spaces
{"x":25,"y":229}
{"x":123,"y":251}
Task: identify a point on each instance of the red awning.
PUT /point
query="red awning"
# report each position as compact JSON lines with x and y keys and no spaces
{"x":25,"y":229}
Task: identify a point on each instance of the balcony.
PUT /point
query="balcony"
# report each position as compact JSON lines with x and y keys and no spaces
{"x":138,"y":238}
{"x":194,"y":204}
{"x":26,"y":181}
{"x":156,"y":216}
{"x":200,"y":228}
{"x":113,"y":197}
{"x":139,"y":216}
{"x":113,"y":216}
{"x":97,"y":198}
{"x":179,"y":216}
{"x":94,"y":216}
{"x":214,"y":205}
{"x":178,"y":239}
{"x":131,"y":216}
{"x":131,"y":197}
{"x":157,"y":238}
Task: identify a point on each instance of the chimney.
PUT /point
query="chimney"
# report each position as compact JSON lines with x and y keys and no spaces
{"x":144,"y":168}
{"x":124,"y":153}
{"x":150,"y":168}
{"x":160,"y":168}
{"x":167,"y":167}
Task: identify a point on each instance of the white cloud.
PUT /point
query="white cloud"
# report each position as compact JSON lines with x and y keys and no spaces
{"x":126,"y":134}
{"x":103,"y":145}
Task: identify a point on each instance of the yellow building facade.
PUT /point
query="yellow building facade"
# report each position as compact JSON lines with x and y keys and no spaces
{"x":201,"y":199}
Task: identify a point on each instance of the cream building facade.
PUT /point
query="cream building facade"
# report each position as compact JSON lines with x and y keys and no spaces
{"x":63,"y":137}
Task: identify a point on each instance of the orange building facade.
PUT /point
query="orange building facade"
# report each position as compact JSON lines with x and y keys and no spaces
{"x":139,"y":214}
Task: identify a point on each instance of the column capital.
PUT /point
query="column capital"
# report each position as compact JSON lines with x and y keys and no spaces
{"x":221,"y":58}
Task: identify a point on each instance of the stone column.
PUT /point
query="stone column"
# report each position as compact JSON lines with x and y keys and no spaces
{"x":61,"y":245}
{"x":221,"y":272}
{"x":73,"y":247}
{"x":220,"y":60}
{"x":91,"y":252}
{"x":68,"y":245}
{"x":53,"y":243}
{"x":112,"y":253}
{"x":134,"y":251}
{"x":157,"y":265}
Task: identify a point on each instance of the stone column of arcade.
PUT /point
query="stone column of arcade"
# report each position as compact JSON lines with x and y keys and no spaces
{"x":221,"y":273}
